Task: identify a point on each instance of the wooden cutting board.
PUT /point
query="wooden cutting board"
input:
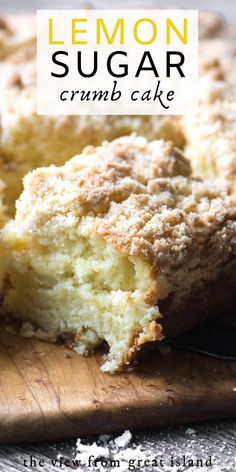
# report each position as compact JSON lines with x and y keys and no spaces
{"x":44,"y":394}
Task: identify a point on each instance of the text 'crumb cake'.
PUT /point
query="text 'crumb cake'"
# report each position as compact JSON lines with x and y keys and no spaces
{"x":120,"y":245}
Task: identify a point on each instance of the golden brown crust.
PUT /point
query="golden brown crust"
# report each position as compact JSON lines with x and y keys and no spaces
{"x":109,"y":173}
{"x":138,"y":339}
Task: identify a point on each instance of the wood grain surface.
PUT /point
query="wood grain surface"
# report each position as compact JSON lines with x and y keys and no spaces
{"x":50,"y":392}
{"x":216,"y":439}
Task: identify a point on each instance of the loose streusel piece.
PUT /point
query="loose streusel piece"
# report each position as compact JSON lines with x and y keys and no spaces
{"x":120,"y":244}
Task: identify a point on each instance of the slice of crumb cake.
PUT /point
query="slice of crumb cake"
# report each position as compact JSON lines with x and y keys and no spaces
{"x":120,"y":244}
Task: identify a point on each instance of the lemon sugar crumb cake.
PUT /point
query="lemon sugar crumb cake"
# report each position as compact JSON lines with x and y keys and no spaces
{"x":120,"y":245}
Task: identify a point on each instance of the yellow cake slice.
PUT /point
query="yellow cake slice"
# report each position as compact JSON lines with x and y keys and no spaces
{"x":120,"y":245}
